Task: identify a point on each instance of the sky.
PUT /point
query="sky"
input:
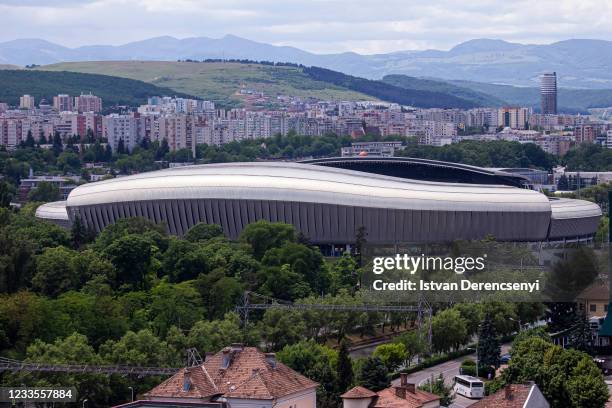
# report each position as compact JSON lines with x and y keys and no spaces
{"x":320,"y":26}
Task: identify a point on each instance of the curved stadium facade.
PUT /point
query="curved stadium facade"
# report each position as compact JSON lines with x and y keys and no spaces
{"x":328,"y":200}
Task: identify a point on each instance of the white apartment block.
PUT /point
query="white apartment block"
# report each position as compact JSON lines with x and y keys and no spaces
{"x":128,"y":128}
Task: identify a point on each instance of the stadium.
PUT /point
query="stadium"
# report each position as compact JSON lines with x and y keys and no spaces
{"x":396,"y":200}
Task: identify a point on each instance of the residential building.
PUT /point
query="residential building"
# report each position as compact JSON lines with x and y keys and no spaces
{"x":513,"y":117}
{"x":236,"y":377}
{"x":515,"y":396}
{"x":87,"y":103}
{"x":64,"y":184}
{"x":584,"y":134}
{"x":26,"y":102}
{"x":593,"y":300}
{"x":404,"y":395}
{"x":548,"y":93}
{"x":62,"y":103}
{"x":128,"y":128}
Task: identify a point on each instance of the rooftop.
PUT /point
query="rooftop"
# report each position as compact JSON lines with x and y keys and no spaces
{"x":234,"y":372}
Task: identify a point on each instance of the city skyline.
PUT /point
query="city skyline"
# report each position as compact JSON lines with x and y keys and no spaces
{"x":325,"y":27}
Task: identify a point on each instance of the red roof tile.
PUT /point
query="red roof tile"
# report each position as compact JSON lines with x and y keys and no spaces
{"x":388,"y":398}
{"x":511,"y":396}
{"x":248,"y":375}
{"x":358,"y":392}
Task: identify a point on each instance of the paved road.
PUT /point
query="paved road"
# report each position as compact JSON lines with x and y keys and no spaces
{"x":449,"y":370}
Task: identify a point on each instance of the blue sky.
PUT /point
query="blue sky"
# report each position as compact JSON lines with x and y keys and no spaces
{"x":322,"y":26}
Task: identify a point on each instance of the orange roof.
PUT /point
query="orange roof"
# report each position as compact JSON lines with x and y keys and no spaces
{"x":595,"y":291}
{"x":388,"y":398}
{"x":358,"y":392}
{"x":518,"y":392}
{"x":249,"y":375}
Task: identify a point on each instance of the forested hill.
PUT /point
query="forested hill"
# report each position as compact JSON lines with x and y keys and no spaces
{"x":220,"y":81}
{"x":403,"y":95}
{"x":45,"y":84}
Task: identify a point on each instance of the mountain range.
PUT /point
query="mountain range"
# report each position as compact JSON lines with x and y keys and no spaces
{"x":579,"y":63}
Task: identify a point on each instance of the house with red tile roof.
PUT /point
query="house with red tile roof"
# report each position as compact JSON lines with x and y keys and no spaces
{"x":236,"y":377}
{"x":404,"y":395}
{"x":514,"y":396}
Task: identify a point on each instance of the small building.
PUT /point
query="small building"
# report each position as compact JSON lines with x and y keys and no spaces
{"x":404,"y":395}
{"x":515,"y":396}
{"x":236,"y":377}
{"x":593,"y":300}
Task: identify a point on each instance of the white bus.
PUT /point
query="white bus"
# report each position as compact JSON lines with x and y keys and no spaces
{"x":469,"y":386}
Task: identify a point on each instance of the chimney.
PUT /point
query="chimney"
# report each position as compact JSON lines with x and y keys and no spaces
{"x":508,"y":392}
{"x":271,"y":359}
{"x":403,"y":379}
{"x":225,"y":362}
{"x":410,"y":387}
{"x":400,"y":392}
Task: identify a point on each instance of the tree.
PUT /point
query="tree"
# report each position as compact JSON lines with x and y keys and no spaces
{"x":414,"y":344}
{"x":438,"y":386}
{"x":489,"y":348}
{"x":344,"y":368}
{"x":7,"y":193}
{"x":58,"y":145}
{"x":280,"y":328}
{"x":134,"y":257}
{"x":44,"y":192}
{"x":305,"y":261}
{"x":212,"y":336}
{"x":360,"y":242}
{"x":121,"y":147}
{"x":580,"y":337}
{"x":344,"y":274}
{"x":74,"y":349}
{"x":373,"y":374}
{"x":56,"y":272}
{"x":315,"y":362}
{"x":263,"y":235}
{"x":567,"y":378}
{"x":177,"y":305}
{"x":392,"y":355}
{"x":449,"y":330}
{"x":81,"y":235}
{"x":203,"y":232}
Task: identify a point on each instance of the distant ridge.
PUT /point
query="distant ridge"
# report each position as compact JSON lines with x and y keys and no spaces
{"x":580,"y":63}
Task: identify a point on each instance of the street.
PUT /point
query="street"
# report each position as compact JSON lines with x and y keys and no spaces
{"x":449,"y":370}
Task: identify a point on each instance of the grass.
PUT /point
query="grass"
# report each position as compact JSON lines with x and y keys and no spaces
{"x":217,"y":81}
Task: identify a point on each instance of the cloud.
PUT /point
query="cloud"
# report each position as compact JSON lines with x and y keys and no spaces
{"x":315,"y":25}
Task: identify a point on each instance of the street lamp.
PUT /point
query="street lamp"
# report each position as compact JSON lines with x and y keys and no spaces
{"x":84,"y":401}
{"x":132,"y":390}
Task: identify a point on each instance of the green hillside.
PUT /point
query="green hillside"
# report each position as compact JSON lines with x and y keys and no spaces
{"x":43,"y":84}
{"x":422,"y":97}
{"x":222,"y":81}
{"x":479,"y":98}
{"x":216,"y":81}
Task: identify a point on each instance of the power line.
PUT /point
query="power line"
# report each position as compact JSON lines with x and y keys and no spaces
{"x":7,"y":364}
{"x":422,"y":308}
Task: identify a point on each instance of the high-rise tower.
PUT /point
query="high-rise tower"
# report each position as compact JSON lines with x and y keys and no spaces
{"x":548,"y":93}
